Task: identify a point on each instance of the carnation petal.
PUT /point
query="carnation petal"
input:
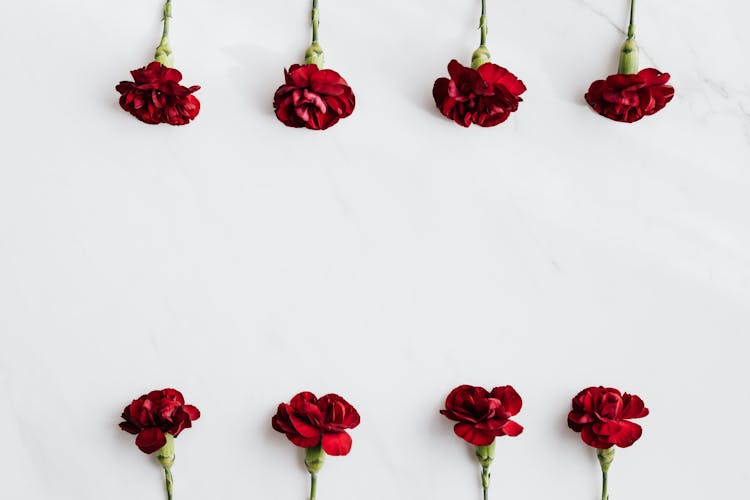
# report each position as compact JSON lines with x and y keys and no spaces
{"x":337,"y":443}
{"x":150,"y":440}
{"x":302,"y":426}
{"x":473,"y":435}
{"x":512,"y":428}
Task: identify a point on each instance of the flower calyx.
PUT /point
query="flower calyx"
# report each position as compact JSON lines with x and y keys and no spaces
{"x":166,"y":454}
{"x":314,"y":55}
{"x":485,"y":454}
{"x":315,"y":457}
{"x":606,"y":457}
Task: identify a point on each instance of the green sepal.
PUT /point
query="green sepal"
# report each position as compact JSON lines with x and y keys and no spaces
{"x":315,"y":457}
{"x":164,"y":53}
{"x":606,"y":457}
{"x":480,"y":56}
{"x":628,"y":58}
{"x":314,"y":55}
{"x":166,"y":455}
{"x":485,"y":454}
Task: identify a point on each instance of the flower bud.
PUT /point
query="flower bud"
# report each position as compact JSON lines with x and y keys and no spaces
{"x":314,"y":459}
{"x":605,"y":458}
{"x":166,"y":453}
{"x":314,"y":55}
{"x":480,"y":56}
{"x":628,"y":57}
{"x":164,"y":53}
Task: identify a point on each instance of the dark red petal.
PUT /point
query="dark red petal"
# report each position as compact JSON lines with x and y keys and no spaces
{"x":591,"y":439}
{"x":130,"y":428}
{"x":473,"y":435}
{"x":299,"y":76}
{"x":328,"y":82}
{"x":192,"y":411}
{"x":652,"y":76}
{"x":302,"y":398}
{"x":303,"y":426}
{"x":497,"y":75}
{"x":627,"y":434}
{"x":150,"y":440}
{"x":512,"y":429}
{"x":303,"y":442}
{"x":456,"y":70}
{"x":510,"y":399}
{"x":280,"y":421}
{"x":337,"y":444}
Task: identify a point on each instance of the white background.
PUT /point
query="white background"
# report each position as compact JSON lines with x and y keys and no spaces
{"x":388,"y":259}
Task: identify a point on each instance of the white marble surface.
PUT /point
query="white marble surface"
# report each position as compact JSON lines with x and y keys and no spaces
{"x":388,"y":259}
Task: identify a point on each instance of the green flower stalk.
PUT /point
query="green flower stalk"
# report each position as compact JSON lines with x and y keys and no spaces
{"x":314,"y":53}
{"x":485,"y":455}
{"x":482,"y":54}
{"x":605,"y":457}
{"x":164,"y":51}
{"x":314,"y":459}
{"x":629,"y":53}
{"x":166,"y":458}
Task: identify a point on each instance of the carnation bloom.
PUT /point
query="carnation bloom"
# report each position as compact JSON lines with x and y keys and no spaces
{"x":602,"y":416}
{"x":313,"y":98}
{"x":157,"y":418}
{"x":319,"y":426}
{"x":485,"y":96}
{"x":630,"y":97}
{"x":308,"y":421}
{"x":156,"y":414}
{"x":156,"y":96}
{"x":630,"y":94}
{"x":483,"y":415}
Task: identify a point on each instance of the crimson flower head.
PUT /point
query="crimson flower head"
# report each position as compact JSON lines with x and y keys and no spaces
{"x":156,"y":96}
{"x":630,"y":97}
{"x":154,"y":415}
{"x":483,"y":415}
{"x":310,"y":422}
{"x":313,"y":98}
{"x":630,"y":94}
{"x":602,"y":416}
{"x":485,"y":96}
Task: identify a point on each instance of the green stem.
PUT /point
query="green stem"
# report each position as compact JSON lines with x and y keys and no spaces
{"x":165,"y":455}
{"x":164,"y":51}
{"x":485,"y":481}
{"x":606,"y":457}
{"x":631,"y":27}
{"x":315,"y":21}
{"x":314,"y":53}
{"x":313,"y":485}
{"x":169,"y":481}
{"x":629,"y":53}
{"x":167,"y":16}
{"x":483,"y":23}
{"x":481,"y":55}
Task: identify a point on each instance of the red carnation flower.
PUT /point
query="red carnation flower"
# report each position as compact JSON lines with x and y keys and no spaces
{"x":483,"y":415}
{"x":156,"y":414}
{"x":156,"y":96}
{"x":630,"y":97}
{"x":308,"y":422}
{"x":313,"y":98}
{"x":601,"y":416}
{"x":485,"y":96}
